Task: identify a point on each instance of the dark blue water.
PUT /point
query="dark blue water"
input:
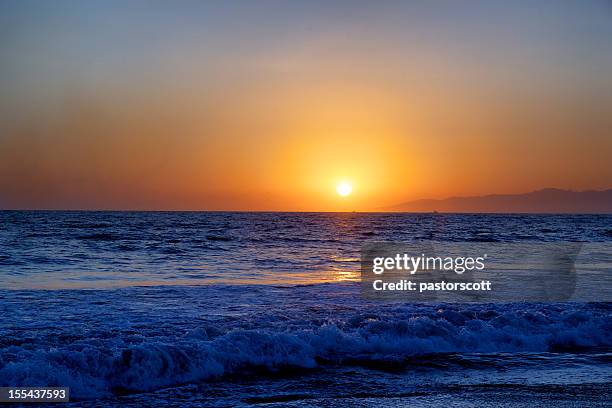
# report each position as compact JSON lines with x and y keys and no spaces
{"x":234,"y":309}
{"x":110,"y":249}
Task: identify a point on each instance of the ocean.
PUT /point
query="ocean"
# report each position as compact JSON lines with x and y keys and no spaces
{"x":265,"y":309}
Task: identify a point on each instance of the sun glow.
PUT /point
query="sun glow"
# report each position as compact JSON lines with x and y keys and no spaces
{"x":344,"y":189}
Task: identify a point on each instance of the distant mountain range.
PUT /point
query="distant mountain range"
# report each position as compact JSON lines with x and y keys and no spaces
{"x":548,"y":200}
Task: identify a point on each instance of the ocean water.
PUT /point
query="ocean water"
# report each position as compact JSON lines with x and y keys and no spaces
{"x":264,"y":309}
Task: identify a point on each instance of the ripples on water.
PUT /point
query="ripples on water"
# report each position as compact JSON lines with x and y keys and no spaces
{"x":100,"y":249}
{"x":226,"y":321}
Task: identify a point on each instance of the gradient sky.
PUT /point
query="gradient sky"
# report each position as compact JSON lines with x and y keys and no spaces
{"x":267,"y":105}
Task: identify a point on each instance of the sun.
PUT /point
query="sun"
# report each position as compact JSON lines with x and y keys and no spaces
{"x":344,"y":189}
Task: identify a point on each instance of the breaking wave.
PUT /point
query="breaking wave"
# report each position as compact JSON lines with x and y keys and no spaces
{"x":100,"y":363}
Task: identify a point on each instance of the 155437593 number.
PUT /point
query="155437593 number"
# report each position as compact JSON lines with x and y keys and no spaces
{"x":34,"y":394}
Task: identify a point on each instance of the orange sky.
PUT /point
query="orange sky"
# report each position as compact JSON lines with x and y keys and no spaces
{"x":252,"y":116}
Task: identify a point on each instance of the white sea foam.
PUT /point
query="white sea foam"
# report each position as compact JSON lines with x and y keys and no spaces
{"x":306,"y":327}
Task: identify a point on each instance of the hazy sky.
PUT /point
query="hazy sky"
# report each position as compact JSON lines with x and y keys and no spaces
{"x":261,"y":105}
